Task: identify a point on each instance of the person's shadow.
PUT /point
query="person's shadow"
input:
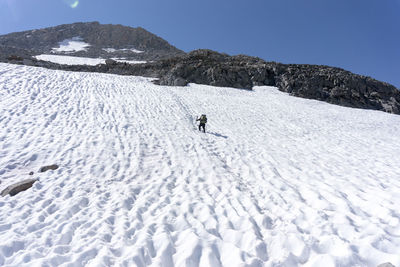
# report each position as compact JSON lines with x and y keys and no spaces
{"x":218,"y":135}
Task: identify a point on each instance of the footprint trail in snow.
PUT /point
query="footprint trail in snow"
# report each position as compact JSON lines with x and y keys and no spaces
{"x":276,"y":181}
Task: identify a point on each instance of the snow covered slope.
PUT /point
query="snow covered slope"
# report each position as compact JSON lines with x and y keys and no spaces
{"x":276,"y":181}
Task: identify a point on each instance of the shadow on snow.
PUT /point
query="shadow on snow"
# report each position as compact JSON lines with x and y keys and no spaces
{"x":218,"y":135}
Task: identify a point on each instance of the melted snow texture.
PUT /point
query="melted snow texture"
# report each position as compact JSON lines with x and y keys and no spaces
{"x":71,"y":45}
{"x":70,"y":60}
{"x":276,"y":181}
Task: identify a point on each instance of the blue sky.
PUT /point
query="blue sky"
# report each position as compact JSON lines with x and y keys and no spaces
{"x":362,"y":36}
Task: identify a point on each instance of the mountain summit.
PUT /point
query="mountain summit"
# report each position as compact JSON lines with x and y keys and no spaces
{"x":93,"y":39}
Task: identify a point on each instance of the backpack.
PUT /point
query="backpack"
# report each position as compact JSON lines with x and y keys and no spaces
{"x":203,"y":118}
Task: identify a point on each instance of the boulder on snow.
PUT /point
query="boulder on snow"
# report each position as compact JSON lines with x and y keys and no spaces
{"x":173,"y":81}
{"x":110,"y":62}
{"x":50,"y":167}
{"x":180,"y":82}
{"x":14,"y":189}
{"x":387,"y":264}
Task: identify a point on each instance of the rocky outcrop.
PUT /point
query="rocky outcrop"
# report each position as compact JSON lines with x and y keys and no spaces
{"x":340,"y":87}
{"x":209,"y":67}
{"x":14,"y":189}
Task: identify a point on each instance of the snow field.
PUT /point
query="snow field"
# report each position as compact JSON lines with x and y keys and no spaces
{"x":276,"y":181}
{"x":71,"y":60}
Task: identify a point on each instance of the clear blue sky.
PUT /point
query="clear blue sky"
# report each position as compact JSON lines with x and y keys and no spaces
{"x":362,"y":36}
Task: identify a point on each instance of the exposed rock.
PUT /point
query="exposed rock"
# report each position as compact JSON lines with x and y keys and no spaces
{"x":387,"y":264}
{"x":31,"y":173}
{"x":179,"y":82}
{"x":172,"y":81}
{"x":339,"y":87}
{"x":212,"y":68}
{"x":14,"y":189}
{"x":50,"y":167}
{"x":111,"y":62}
{"x":14,"y":57}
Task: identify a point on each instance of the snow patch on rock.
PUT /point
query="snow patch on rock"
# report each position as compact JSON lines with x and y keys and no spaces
{"x":112,"y":50}
{"x":71,"y":45}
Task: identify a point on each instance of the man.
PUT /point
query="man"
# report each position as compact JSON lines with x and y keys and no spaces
{"x":203,"y":121}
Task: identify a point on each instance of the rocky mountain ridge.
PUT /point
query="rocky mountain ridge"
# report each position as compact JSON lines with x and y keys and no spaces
{"x":104,"y":41}
{"x":175,"y":68}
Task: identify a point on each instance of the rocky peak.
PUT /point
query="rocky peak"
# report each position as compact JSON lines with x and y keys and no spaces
{"x":99,"y":40}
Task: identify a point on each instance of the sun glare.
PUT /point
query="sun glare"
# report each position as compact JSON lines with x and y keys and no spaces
{"x":75,"y":4}
{"x":72,"y":3}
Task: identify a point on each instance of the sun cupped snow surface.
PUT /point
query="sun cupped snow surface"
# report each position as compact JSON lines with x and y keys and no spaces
{"x":275,"y":181}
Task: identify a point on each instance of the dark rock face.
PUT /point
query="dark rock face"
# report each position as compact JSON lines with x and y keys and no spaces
{"x":212,"y":68}
{"x":100,"y":37}
{"x":14,"y":189}
{"x":340,"y":87}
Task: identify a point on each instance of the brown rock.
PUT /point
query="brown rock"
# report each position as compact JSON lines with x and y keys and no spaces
{"x":14,"y":189}
{"x":50,"y":167}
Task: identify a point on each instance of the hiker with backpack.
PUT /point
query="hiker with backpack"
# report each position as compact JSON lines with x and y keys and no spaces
{"x":203,"y":121}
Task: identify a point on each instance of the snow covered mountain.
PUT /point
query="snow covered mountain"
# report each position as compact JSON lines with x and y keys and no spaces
{"x":276,"y":180}
{"x":117,"y":49}
{"x":93,"y":40}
